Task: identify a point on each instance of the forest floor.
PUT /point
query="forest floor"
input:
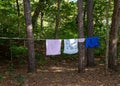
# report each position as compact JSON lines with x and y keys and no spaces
{"x":58,"y":73}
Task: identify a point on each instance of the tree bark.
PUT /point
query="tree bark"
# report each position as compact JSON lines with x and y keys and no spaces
{"x":107,"y":34}
{"x":39,"y":8}
{"x":30,"y":39}
{"x":57,"y":19}
{"x":18,"y":13}
{"x":112,"y":62}
{"x":90,"y":51}
{"x":81,"y":53}
{"x":36,"y":14}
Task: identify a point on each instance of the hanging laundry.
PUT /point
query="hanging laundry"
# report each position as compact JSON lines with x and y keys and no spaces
{"x":92,"y":42}
{"x":53,"y":47}
{"x":81,"y":40}
{"x":70,"y":46}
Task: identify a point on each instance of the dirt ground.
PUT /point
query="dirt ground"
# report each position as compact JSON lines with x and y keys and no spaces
{"x":59,"y":73}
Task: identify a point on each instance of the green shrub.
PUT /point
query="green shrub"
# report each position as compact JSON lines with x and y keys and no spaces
{"x":18,"y":51}
{"x":20,"y":79}
{"x":1,"y":78}
{"x":40,"y":59}
{"x":11,"y":69}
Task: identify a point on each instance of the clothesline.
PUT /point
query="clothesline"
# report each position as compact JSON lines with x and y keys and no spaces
{"x":53,"y":46}
{"x":17,"y":38}
{"x":12,"y":38}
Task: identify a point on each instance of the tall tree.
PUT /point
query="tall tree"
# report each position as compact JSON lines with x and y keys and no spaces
{"x":18,"y":13}
{"x":107,"y":34}
{"x":41,"y":19}
{"x":81,"y":53}
{"x":114,"y":35}
{"x":90,"y":51}
{"x":57,"y":18}
{"x":39,"y":10}
{"x":36,"y":14}
{"x":30,"y":40}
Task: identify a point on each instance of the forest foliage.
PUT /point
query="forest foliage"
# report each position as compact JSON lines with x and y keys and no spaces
{"x":12,"y":25}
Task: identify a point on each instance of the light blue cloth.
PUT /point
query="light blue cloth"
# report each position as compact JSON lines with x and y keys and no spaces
{"x":92,"y":42}
{"x":70,"y":46}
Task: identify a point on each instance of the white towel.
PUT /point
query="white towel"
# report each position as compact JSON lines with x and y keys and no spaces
{"x":53,"y":47}
{"x":70,"y":46}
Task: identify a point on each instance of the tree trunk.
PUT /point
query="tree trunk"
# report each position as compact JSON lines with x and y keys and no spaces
{"x":112,"y":62}
{"x":37,"y":11}
{"x":41,"y":19}
{"x":36,"y":14}
{"x":30,"y":40}
{"x":90,"y":51}
{"x":57,"y":19}
{"x":107,"y":35}
{"x":81,"y":53}
{"x":18,"y":13}
{"x":84,"y":16}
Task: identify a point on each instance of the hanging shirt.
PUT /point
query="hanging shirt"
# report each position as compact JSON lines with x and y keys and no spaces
{"x":53,"y":47}
{"x":81,"y":40}
{"x":70,"y":46}
{"x":92,"y":42}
